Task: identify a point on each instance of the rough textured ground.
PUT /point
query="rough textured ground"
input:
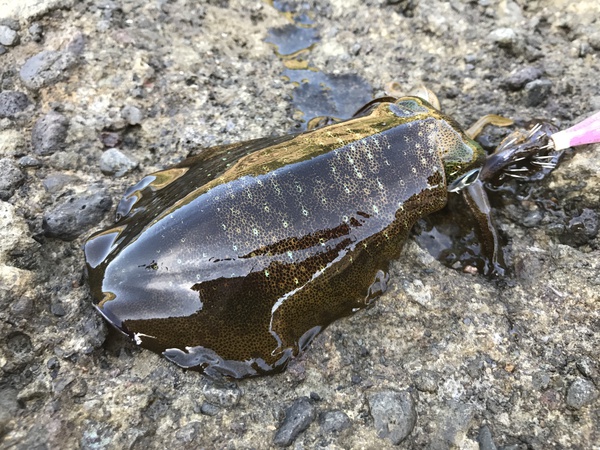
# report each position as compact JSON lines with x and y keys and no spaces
{"x":444,"y":359}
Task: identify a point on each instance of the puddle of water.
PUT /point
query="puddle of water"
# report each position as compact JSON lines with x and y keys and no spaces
{"x":320,"y":94}
{"x":317,"y":94}
{"x":291,"y":39}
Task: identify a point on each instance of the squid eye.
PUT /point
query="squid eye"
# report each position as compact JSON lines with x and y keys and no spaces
{"x":462,"y":182}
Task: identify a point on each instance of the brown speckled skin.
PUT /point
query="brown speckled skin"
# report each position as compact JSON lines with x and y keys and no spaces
{"x":233,"y":260}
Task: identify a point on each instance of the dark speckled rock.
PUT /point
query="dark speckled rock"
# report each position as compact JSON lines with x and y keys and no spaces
{"x":76,"y":215}
{"x":538,"y":92}
{"x":334,"y":421}
{"x":297,"y":419}
{"x":581,"y":393}
{"x":12,"y":102}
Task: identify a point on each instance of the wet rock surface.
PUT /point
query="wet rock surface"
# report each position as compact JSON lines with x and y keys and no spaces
{"x":501,"y":364}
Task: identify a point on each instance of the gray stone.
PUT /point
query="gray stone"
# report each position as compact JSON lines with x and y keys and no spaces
{"x":517,"y":80}
{"x":298,"y":417}
{"x":426,"y":381}
{"x":587,"y":367}
{"x":582,"y":228}
{"x":208,"y":409}
{"x":537,"y":92}
{"x":581,"y":393}
{"x":8,"y":36}
{"x":9,"y":406}
{"x":505,"y":37}
{"x":57,"y":309}
{"x":541,"y":380}
{"x":95,"y":331}
{"x":56,"y":182}
{"x":225,"y":395}
{"x":12,"y":103}
{"x":394,"y":414}
{"x":594,"y":40}
{"x":29,"y":161}
{"x":485,"y":439}
{"x":11,"y":177}
{"x":115,"y":162}
{"x":76,"y":215}
{"x":49,"y":133}
{"x":453,"y":424}
{"x":45,"y":68}
{"x":334,"y":421}
{"x":36,"y":31}
{"x":188,"y":433}
{"x":132,"y":115}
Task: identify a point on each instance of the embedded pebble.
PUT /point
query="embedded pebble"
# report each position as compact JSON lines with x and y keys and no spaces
{"x":582,"y":228}
{"x":19,"y":344}
{"x":581,"y":393}
{"x":115,"y":162}
{"x":12,"y":142}
{"x":537,"y":91}
{"x":587,"y":367}
{"x":76,"y":215}
{"x":29,"y":161}
{"x":208,"y":409}
{"x":226,"y":396}
{"x":334,"y":421}
{"x":505,"y":37}
{"x":453,"y":425}
{"x":533,"y":218}
{"x":12,"y":102}
{"x":49,"y":133}
{"x":132,"y":115}
{"x":485,"y":439}
{"x":9,"y":405}
{"x":36,"y":31}
{"x":45,"y":68}
{"x":394,"y":414}
{"x":541,"y":380}
{"x":517,"y":80}
{"x":426,"y":381}
{"x":57,"y":309}
{"x":188,"y":433}
{"x":11,"y":177}
{"x":298,"y":417}
{"x":8,"y":36}
{"x":94,"y":331}
{"x":55,"y":182}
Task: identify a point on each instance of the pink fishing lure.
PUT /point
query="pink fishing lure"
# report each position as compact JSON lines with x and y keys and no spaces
{"x":585,"y":132}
